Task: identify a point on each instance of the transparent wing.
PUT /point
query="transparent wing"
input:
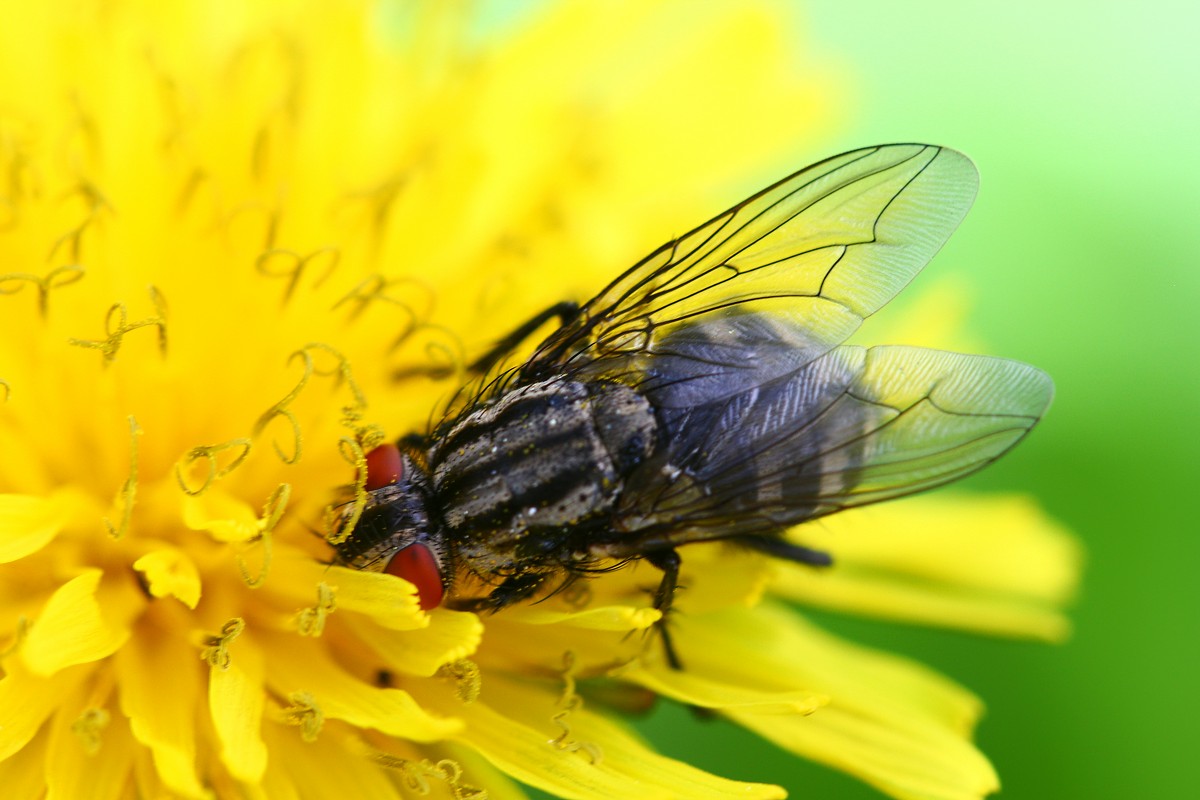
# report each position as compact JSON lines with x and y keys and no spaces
{"x":793,"y":270}
{"x":853,"y":427}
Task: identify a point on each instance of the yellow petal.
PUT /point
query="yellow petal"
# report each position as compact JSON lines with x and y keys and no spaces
{"x":24,"y":775}
{"x":600,"y":618}
{"x":324,"y":768}
{"x":90,"y":752}
{"x":514,"y":646}
{"x":732,"y":577}
{"x":235,"y":699}
{"x":904,"y":763}
{"x":477,"y":771}
{"x":84,"y":620}
{"x":889,"y":721}
{"x":890,"y":597}
{"x":301,"y":665}
{"x":159,"y":678}
{"x":538,"y":636}
{"x":26,"y":700}
{"x":389,"y":601}
{"x":995,"y":564}
{"x":28,"y":523}
{"x":693,"y":688}
{"x":771,"y":646}
{"x":170,"y":573}
{"x":514,"y":728}
{"x":451,"y":635}
{"x":227,"y":518}
{"x":278,"y":782}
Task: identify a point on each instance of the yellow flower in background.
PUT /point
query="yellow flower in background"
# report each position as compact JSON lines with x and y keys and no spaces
{"x":234,"y":244}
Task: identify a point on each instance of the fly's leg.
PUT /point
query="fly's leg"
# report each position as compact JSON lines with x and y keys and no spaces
{"x":669,"y":562}
{"x":566,"y":312}
{"x":781,"y":548}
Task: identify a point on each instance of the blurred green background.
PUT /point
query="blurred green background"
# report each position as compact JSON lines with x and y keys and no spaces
{"x":1084,"y":251}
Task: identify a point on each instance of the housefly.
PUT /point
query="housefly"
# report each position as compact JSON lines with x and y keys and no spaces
{"x":705,"y":394}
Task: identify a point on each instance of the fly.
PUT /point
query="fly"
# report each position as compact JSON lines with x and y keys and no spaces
{"x":705,"y":394}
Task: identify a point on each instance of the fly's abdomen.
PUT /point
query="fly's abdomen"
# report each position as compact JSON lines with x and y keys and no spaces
{"x":516,"y":478}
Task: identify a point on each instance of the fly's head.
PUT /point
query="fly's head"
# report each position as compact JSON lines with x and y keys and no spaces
{"x":393,"y":534}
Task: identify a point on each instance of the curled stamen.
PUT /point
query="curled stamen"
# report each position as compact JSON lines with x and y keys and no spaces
{"x":295,"y":266}
{"x":159,"y":301}
{"x":297,"y":436}
{"x":337,"y":524}
{"x":416,"y":775}
{"x":234,"y":219}
{"x":17,"y":178}
{"x":114,"y":335}
{"x":209,"y":453}
{"x":54,"y":279}
{"x":280,"y":409}
{"x":272,"y":512}
{"x":445,"y":356}
{"x":70,"y":241}
{"x":95,"y":202}
{"x":89,"y":727}
{"x":374,"y":288}
{"x":446,"y":361}
{"x":468,"y":680}
{"x":451,"y":772}
{"x":565,"y":743}
{"x":127,"y":494}
{"x":386,"y":760}
{"x":254,"y":582}
{"x":341,"y":370}
{"x":191,"y":187}
{"x":368,"y":436}
{"x":305,"y":714}
{"x":569,"y":699}
{"x":274,"y":507}
{"x":216,"y":648}
{"x":311,"y":621}
{"x":569,"y":702}
{"x":93,"y":198}
{"x":7,"y":389}
{"x":379,"y":199}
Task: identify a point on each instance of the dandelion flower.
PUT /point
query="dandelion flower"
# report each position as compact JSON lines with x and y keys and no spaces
{"x":238,"y":245}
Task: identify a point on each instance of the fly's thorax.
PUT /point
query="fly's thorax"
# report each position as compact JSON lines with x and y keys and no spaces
{"x":516,"y":480}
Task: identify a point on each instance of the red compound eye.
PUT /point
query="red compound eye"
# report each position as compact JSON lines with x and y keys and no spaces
{"x":384,"y":466}
{"x":417,"y":565}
